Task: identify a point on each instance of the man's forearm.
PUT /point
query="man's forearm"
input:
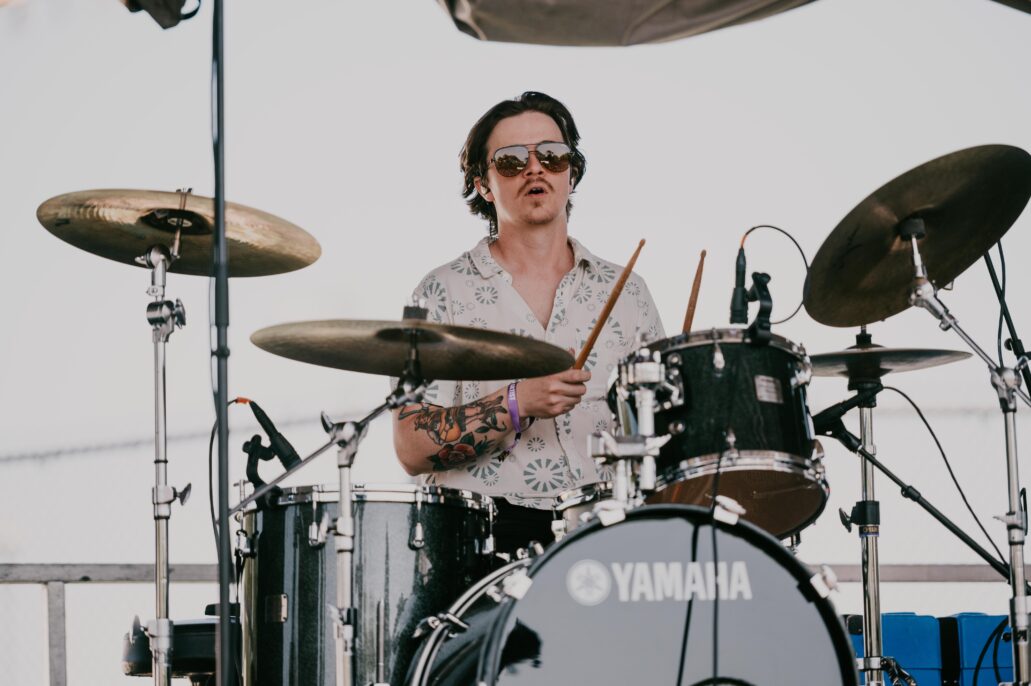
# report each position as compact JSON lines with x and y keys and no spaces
{"x":434,"y":438}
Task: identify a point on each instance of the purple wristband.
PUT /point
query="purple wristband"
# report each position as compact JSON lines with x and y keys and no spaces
{"x":513,"y":410}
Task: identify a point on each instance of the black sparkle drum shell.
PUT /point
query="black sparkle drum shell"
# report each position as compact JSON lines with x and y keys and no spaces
{"x":731,"y":385}
{"x":617,"y":605}
{"x":289,"y":587}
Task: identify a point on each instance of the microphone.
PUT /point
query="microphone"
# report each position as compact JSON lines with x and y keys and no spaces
{"x":280,"y":446}
{"x":826,"y":421}
{"x":739,"y":300}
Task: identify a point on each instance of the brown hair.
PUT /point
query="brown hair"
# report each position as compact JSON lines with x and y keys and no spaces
{"x":473,"y":158}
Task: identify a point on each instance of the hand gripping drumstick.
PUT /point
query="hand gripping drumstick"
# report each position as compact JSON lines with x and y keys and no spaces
{"x":689,"y":315}
{"x":607,"y":310}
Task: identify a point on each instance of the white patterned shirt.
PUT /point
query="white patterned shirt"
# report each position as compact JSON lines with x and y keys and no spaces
{"x":552,"y":456}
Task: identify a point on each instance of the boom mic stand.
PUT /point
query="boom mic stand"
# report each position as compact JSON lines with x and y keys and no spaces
{"x":1006,"y":382}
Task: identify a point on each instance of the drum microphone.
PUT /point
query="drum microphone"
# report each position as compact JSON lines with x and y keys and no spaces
{"x":739,"y":300}
{"x":827,"y":420}
{"x":280,"y":446}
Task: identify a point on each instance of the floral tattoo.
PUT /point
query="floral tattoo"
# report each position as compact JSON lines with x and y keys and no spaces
{"x":458,"y":430}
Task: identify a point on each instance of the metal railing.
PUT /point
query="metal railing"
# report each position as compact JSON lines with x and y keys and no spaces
{"x":54,"y":577}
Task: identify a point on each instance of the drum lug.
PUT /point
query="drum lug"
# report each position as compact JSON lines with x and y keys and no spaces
{"x":426,"y":626}
{"x":824,"y":581}
{"x":803,"y":375}
{"x":418,"y":539}
{"x":317,"y":531}
{"x":609,"y":512}
{"x":558,"y":529}
{"x":719,"y":362}
{"x":727,"y":510}
{"x":244,"y":544}
{"x":516,"y":584}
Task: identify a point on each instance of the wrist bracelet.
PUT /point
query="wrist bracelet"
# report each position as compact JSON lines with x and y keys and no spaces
{"x":513,"y":410}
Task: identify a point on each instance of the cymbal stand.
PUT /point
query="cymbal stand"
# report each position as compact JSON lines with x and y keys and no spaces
{"x":866,"y":515}
{"x":164,"y":317}
{"x":1006,"y":382}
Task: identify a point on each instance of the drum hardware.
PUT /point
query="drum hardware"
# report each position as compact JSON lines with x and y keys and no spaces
{"x":864,"y":364}
{"x":1006,"y":382}
{"x":622,"y":452}
{"x":719,"y":385}
{"x":175,"y":232}
{"x":610,"y":581}
{"x":418,"y":537}
{"x":319,"y":528}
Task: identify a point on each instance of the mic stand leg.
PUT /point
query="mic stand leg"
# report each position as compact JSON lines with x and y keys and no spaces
{"x":854,"y":445}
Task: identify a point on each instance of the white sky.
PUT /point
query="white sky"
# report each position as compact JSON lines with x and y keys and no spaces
{"x":346,"y":118}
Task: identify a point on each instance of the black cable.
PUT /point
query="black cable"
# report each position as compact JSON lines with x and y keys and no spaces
{"x":984,"y":651}
{"x":800,"y":252}
{"x":211,"y":482}
{"x":995,"y":656}
{"x":948,"y":466}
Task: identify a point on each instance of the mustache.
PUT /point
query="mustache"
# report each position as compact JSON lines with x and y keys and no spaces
{"x":536,"y":182}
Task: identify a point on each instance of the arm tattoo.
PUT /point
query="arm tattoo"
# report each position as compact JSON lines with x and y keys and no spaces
{"x":458,"y":430}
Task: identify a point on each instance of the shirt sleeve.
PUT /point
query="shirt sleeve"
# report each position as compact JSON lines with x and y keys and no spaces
{"x":434,"y":291}
{"x":649,"y":324}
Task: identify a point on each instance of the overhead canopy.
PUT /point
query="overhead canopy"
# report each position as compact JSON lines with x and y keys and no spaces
{"x":605,"y":22}
{"x":1022,"y":5}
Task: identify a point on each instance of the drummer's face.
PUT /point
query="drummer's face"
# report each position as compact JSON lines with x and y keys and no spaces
{"x":534,"y":196}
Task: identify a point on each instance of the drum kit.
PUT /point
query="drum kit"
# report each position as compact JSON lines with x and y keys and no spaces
{"x":678,"y":570}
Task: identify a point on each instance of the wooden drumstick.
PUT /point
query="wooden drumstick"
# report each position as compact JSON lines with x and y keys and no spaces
{"x":607,"y":310}
{"x":689,"y":315}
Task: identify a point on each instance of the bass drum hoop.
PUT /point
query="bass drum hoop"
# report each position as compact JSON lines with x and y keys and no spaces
{"x":493,"y":643}
{"x":387,"y":493}
{"x":427,"y":652}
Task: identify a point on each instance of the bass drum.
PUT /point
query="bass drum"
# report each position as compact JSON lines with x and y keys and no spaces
{"x":662,"y":597}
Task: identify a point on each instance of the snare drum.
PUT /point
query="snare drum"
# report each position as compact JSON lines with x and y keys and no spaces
{"x":417,"y":548}
{"x":739,"y":409}
{"x":647,"y":600}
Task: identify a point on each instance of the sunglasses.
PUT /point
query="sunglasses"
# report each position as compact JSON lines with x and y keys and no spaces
{"x":512,"y":160}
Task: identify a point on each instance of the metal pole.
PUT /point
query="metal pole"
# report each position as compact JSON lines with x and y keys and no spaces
{"x":1014,"y":520}
{"x":344,"y":541}
{"x":868,"y":533}
{"x":162,"y":318}
{"x":226,"y":661}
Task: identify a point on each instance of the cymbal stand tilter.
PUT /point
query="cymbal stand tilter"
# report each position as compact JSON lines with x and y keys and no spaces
{"x":164,"y":317}
{"x":1006,"y":382}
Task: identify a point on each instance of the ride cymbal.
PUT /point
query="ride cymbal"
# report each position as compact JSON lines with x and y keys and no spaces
{"x":382,"y":347}
{"x":967,"y":201}
{"x":121,"y":225}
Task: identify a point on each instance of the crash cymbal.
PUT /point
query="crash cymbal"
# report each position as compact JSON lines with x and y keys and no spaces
{"x":445,"y":352}
{"x":121,"y":225}
{"x":967,"y":201}
{"x":873,"y":362}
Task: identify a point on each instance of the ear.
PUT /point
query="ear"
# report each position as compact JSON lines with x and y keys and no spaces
{"x":482,"y":189}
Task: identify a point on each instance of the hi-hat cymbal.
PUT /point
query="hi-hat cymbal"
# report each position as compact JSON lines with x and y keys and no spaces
{"x":121,"y":225}
{"x":382,"y":347}
{"x":869,"y":362}
{"x":967,"y":201}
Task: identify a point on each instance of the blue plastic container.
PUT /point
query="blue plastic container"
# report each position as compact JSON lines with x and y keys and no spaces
{"x":913,"y":640}
{"x":964,"y":636}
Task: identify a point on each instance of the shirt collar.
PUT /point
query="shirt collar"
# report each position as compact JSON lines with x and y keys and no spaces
{"x":487,"y":266}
